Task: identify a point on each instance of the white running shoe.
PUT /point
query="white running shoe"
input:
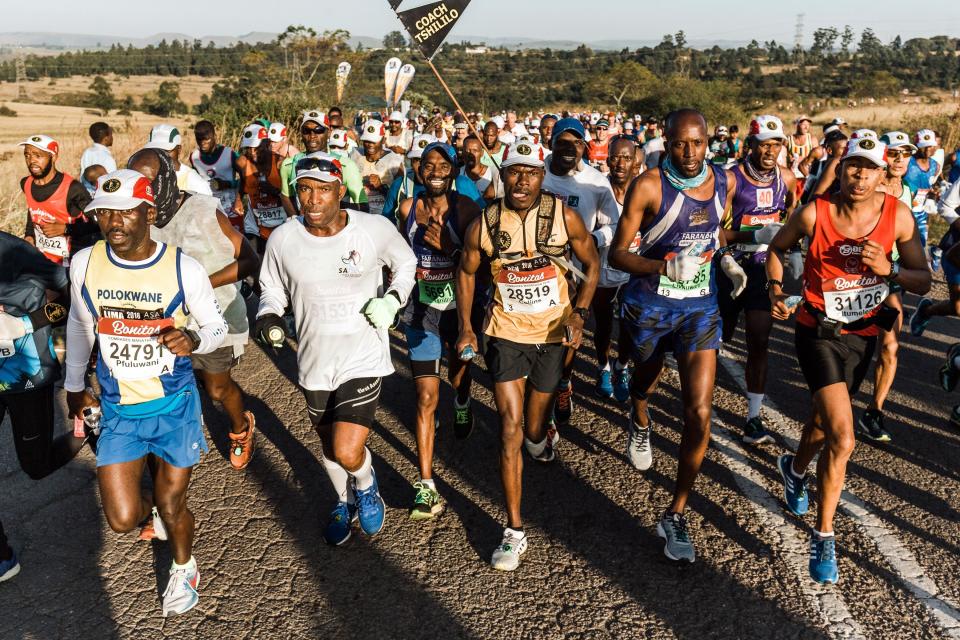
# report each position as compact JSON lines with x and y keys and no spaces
{"x":549,"y":452}
{"x":181,"y":593}
{"x":507,"y":555}
{"x":639,"y":451}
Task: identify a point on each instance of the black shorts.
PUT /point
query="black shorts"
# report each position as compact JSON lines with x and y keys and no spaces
{"x":354,"y":401}
{"x":540,"y":364}
{"x":826,"y":361}
{"x":754,"y":298}
{"x":32,"y":418}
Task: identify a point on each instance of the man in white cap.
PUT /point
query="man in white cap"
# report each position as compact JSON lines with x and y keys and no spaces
{"x":378,"y":166}
{"x":922,"y":174}
{"x":134,"y":297}
{"x":55,"y":221}
{"x":399,"y":137}
{"x":260,"y":183}
{"x":327,"y":265}
{"x":530,"y":322}
{"x":763,"y":199}
{"x":167,"y":138}
{"x":280,"y":140}
{"x":847,"y":270}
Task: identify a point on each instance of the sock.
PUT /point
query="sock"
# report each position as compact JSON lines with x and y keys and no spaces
{"x":754,"y":402}
{"x":535,"y":448}
{"x":796,"y":475}
{"x":190,"y":564}
{"x":339,"y":478}
{"x":516,"y":530}
{"x":956,"y":362}
{"x":429,"y":482}
{"x":619,"y":366}
{"x":829,"y":534}
{"x":363,"y":477}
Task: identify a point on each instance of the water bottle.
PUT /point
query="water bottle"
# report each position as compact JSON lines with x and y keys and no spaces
{"x":936,"y":255}
{"x":276,"y":336}
{"x":793,"y":301}
{"x":88,"y":422}
{"x":468,"y":354}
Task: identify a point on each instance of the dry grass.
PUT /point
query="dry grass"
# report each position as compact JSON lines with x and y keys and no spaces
{"x":191,"y":87}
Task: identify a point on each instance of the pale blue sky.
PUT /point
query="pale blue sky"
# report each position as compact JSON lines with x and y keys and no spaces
{"x":539,"y":19}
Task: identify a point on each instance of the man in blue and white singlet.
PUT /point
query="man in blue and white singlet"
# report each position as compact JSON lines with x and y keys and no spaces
{"x":667,"y":239}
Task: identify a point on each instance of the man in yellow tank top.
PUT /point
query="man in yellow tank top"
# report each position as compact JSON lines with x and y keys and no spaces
{"x":526,"y":237}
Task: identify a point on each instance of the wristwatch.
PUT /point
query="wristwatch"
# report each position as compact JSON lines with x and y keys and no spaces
{"x":894,"y":272}
{"x":772,"y":282}
{"x":583,"y":312}
{"x":194,"y":338}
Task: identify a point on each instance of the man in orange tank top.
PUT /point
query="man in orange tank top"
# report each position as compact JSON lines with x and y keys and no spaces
{"x":847,"y":276}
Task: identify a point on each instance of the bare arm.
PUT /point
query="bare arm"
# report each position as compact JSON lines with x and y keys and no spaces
{"x":798,"y":226}
{"x":247,"y":263}
{"x":642,"y":197}
{"x":914,"y":274}
{"x":466,"y":283}
{"x":827,"y":176}
{"x":585,"y":249}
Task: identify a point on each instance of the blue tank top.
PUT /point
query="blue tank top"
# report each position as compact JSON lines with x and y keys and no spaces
{"x":680,"y":222}
{"x":753,"y":208}
{"x":920,"y":182}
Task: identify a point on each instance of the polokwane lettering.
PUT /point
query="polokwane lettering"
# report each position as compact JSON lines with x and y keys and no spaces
{"x":434,"y":21}
{"x":121,"y":295}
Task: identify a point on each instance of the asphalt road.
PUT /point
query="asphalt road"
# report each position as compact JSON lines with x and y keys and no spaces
{"x":594,"y":568}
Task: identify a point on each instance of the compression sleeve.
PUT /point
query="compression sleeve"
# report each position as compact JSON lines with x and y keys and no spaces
{"x":80,"y":327}
{"x":273,"y":291}
{"x":202,"y":305}
{"x":607,"y":217}
{"x":396,"y":255}
{"x":354,"y":182}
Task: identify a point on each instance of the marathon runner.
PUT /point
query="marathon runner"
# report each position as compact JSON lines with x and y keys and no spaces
{"x":530,"y":321}
{"x":55,"y":201}
{"x":666,"y":240}
{"x":847,"y":273}
{"x":279,"y":141}
{"x":379,"y":167}
{"x":167,"y":138}
{"x":719,"y":148}
{"x":828,"y":158}
{"x":260,"y":183}
{"x":101,"y":135}
{"x":398,"y":138}
{"x":327,"y":266}
{"x":220,"y":164}
{"x":493,"y":143}
{"x":195,"y":225}
{"x":485,"y":178}
{"x":764,"y":198}
{"x":922,"y":174}
{"x":799,"y":146}
{"x":547,"y":123}
{"x":132,"y":295}
{"x":435,"y":221}
{"x":597,"y":148}
{"x":335,"y":117}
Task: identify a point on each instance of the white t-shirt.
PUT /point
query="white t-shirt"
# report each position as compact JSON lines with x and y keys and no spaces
{"x":484,"y":181}
{"x":97,"y":154}
{"x":327,"y":281}
{"x":405,"y":140}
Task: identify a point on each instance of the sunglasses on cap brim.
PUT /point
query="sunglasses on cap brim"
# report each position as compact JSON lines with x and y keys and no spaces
{"x":319,"y":164}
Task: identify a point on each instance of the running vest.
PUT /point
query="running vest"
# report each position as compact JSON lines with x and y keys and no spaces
{"x":132,"y":305}
{"x":221,"y":169}
{"x":53,"y":209}
{"x":755,"y":207}
{"x":680,"y":222}
{"x":919,"y":181}
{"x":531,"y":300}
{"x":834,"y":279}
{"x":799,"y":151}
{"x":267,"y":210}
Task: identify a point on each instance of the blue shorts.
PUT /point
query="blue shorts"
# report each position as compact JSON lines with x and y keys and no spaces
{"x":653,"y":330}
{"x":175,"y":436}
{"x":423,"y":345}
{"x":950,"y":273}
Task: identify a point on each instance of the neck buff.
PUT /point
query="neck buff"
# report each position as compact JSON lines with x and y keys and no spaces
{"x":681,"y":182}
{"x":763,"y":177}
{"x":166,"y":194}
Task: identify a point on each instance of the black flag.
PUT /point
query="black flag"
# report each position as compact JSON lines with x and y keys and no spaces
{"x":429,"y":24}
{"x":394,"y":4}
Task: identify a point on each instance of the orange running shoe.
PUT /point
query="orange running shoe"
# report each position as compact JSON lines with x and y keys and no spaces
{"x":241,"y":444}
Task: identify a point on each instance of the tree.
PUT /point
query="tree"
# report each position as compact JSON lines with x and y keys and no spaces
{"x":626,"y":81}
{"x":165,"y":101}
{"x":846,"y":40}
{"x":103,"y":98}
{"x":395,"y":40}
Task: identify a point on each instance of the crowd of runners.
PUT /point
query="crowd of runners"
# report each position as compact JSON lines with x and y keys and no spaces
{"x":494,"y":236}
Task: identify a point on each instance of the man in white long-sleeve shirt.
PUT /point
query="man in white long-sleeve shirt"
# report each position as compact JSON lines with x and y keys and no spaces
{"x":135,"y":295}
{"x":326,"y":264}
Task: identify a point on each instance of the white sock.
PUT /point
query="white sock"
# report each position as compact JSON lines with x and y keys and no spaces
{"x":339,"y":478}
{"x":191,"y":564}
{"x":606,"y":366}
{"x":363,"y":477}
{"x":956,"y":362}
{"x":429,"y":482}
{"x":829,"y":534}
{"x":754,"y":402}
{"x":535,"y":448}
{"x":619,"y":366}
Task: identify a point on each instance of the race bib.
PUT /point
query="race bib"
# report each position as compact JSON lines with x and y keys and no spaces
{"x":130,"y":348}
{"x":529,"y":286}
{"x":57,"y":246}
{"x":850,"y":299}
{"x":376,"y":200}
{"x":752,"y":222}
{"x":698,"y":287}
{"x":336,"y":314}
{"x":764,"y":198}
{"x":435,"y":288}
{"x":7,"y":349}
{"x":270,"y":216}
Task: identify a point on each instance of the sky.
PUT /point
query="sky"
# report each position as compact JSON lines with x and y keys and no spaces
{"x":537,"y":19}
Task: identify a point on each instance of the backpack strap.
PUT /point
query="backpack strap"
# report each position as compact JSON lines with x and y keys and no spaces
{"x":546,"y":213}
{"x":491,"y":217}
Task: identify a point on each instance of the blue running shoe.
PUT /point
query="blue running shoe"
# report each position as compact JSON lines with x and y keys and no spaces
{"x":794,"y":489}
{"x":605,"y":384}
{"x":337,"y":530}
{"x":936,"y":258}
{"x":9,"y":568}
{"x":370,"y":508}
{"x":823,"y":559}
{"x":621,"y":383}
{"x":919,"y":319}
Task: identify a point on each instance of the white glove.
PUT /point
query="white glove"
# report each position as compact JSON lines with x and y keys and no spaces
{"x":736,"y":274}
{"x":685,"y":265}
{"x":766,"y":234}
{"x":11,"y":327}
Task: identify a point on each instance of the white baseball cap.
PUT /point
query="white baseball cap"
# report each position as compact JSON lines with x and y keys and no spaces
{"x":338,"y":139}
{"x":838,"y":121}
{"x":317,"y":116}
{"x":277,"y":132}
{"x":722,"y":130}
{"x":373,"y":131}
{"x":897,"y":139}
{"x":252,"y":135}
{"x":865,"y":133}
{"x":419,"y":144}
{"x":319,"y":166}
{"x":535,"y":123}
{"x":766,"y":128}
{"x":165,"y":137}
{"x":396,"y":116}
{"x":869,"y":148}
{"x":122,"y":190}
{"x":925,"y":138}
{"x":525,"y":153}
{"x":42,"y":142}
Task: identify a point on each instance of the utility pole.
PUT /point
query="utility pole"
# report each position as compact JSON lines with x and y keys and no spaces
{"x":798,"y":40}
{"x":21,"y":71}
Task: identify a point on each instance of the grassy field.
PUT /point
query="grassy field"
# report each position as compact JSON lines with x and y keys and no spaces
{"x":43,"y":90}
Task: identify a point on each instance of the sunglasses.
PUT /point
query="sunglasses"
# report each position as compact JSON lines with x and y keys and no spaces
{"x":309,"y":131}
{"x":894,"y":155}
{"x":319,"y":164}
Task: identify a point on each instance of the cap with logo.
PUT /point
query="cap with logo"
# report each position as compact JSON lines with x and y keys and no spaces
{"x":838,"y":121}
{"x":925,"y":138}
{"x":317,"y":117}
{"x":338,"y":140}
{"x":121,"y":190}
{"x":420,"y":143}
{"x":396,"y":116}
{"x":766,"y":128}
{"x":523,"y":153}
{"x":869,"y":148}
{"x":865,"y":133}
{"x":319,"y":166}
{"x":252,"y":136}
{"x":500,"y":121}
{"x":897,"y":140}
{"x":164,"y":136}
{"x":277,"y":132}
{"x":42,"y":142}
{"x":603,"y":122}
{"x":373,"y":131}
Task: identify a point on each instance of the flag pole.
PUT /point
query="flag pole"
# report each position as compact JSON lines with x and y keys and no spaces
{"x":446,"y":88}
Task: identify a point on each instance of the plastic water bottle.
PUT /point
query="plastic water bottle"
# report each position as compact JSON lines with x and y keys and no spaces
{"x":89,"y":419}
{"x":936,"y":255}
{"x":793,"y":301}
{"x":275,"y":336}
{"x":468,"y":354}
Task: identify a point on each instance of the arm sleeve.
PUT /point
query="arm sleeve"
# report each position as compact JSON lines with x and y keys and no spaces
{"x":949,"y":203}
{"x":395,"y":254}
{"x":202,"y":305}
{"x":608,"y":215}
{"x":273,"y":290}
{"x":80,"y":332}
{"x":354,"y":182}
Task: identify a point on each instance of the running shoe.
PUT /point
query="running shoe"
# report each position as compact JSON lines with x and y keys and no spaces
{"x":794,"y":489}
{"x":639,"y":451}
{"x":936,"y":257}
{"x":621,"y":383}
{"x":563,"y":404}
{"x":673,"y":529}
{"x":549,"y":452}
{"x":10,"y":567}
{"x":370,"y":508}
{"x":918,"y":319}
{"x":241,"y":444}
{"x":154,"y":527}
{"x":949,"y":375}
{"x":870,"y":424}
{"x":955,"y":416}
{"x":823,"y":559}
{"x":181,"y":593}
{"x":337,"y":530}
{"x":427,"y":503}
{"x":754,"y":432}
{"x":463,"y":419}
{"x":507,"y":555}
{"x":605,"y":384}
